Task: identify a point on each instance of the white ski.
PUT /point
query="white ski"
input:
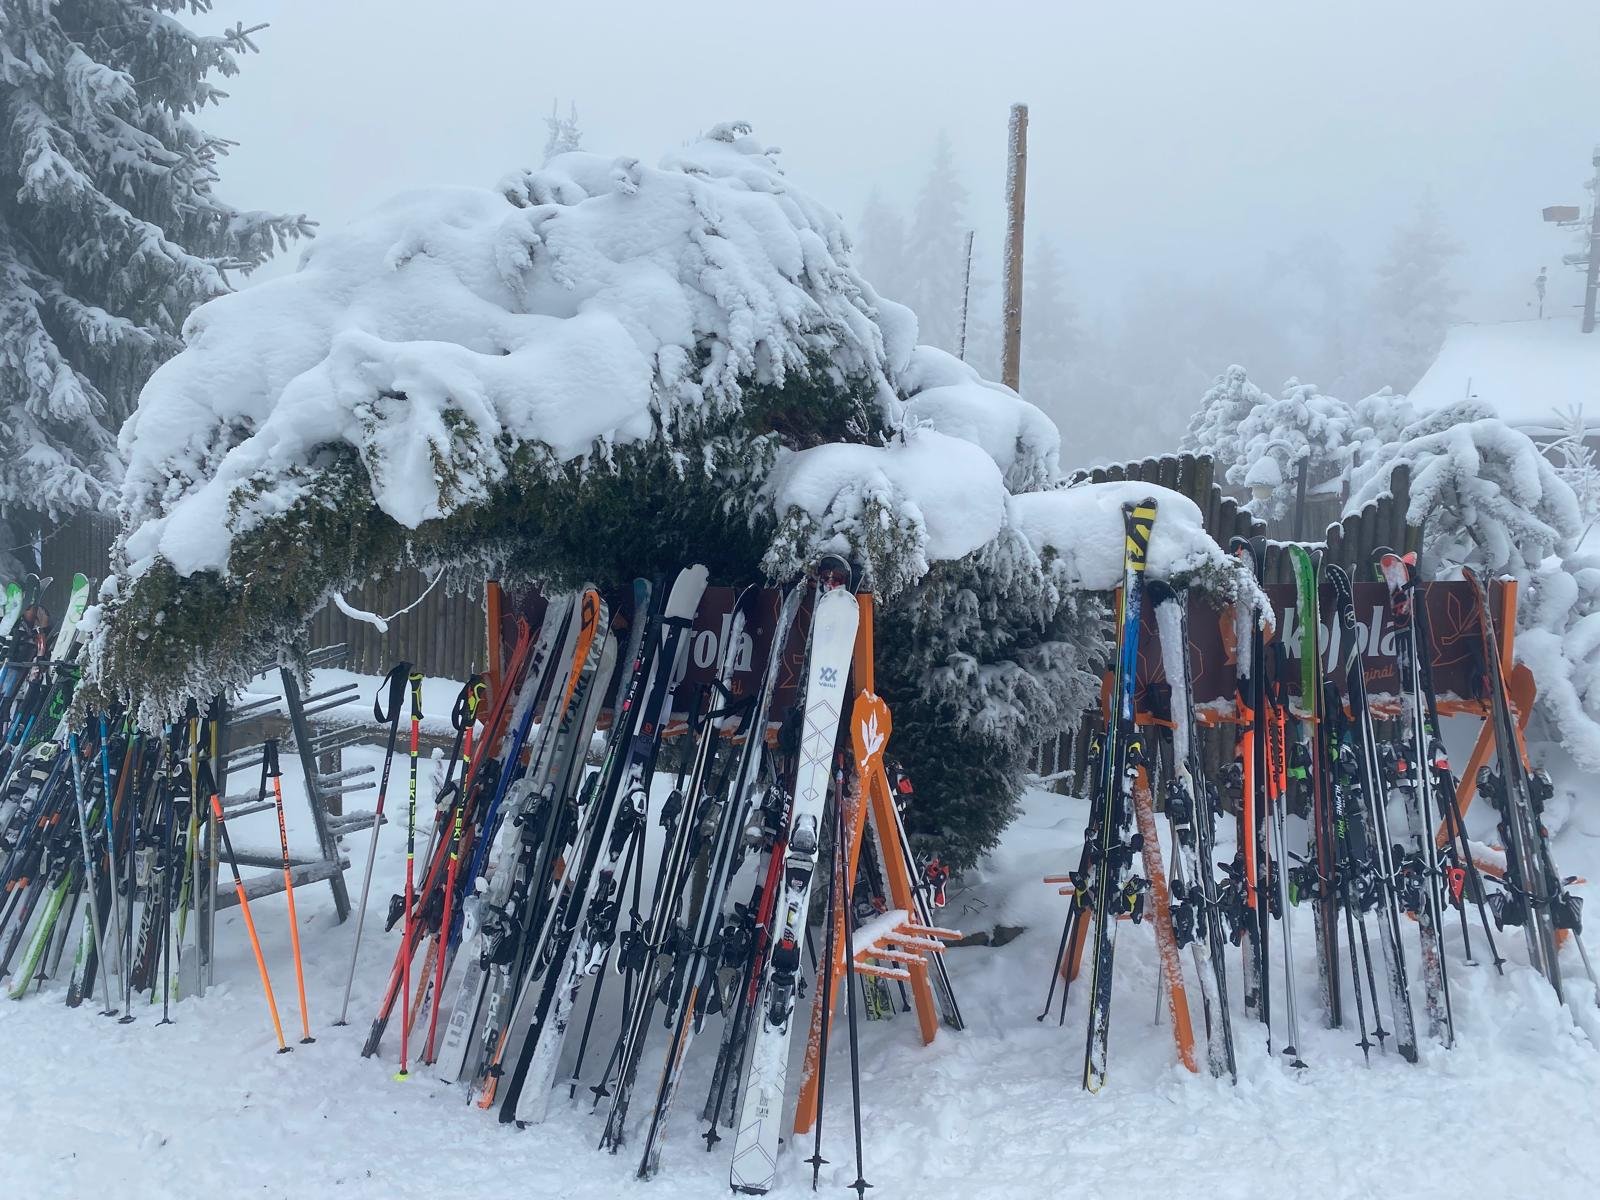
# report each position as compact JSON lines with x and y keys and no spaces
{"x":833,"y":634}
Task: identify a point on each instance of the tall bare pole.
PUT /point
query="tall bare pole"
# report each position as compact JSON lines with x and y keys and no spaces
{"x":966,"y":297}
{"x":1011,"y":277}
{"x":1592,"y":281}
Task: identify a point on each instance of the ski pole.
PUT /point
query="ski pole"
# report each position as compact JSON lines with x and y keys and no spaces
{"x":396,"y":682}
{"x":861,"y":1185}
{"x":271,"y":770}
{"x":249,"y":924}
{"x":473,"y":696}
{"x":825,"y":989}
{"x":108,"y":812}
{"x":89,"y":872}
{"x":407,"y":944}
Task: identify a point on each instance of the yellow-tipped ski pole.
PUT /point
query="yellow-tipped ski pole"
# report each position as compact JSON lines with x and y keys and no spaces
{"x":271,"y":770}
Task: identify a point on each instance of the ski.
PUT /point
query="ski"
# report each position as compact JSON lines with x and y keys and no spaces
{"x":1114,"y":888}
{"x":835,"y":615}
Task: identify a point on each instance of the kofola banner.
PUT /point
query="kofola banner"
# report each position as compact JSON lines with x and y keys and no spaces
{"x":1457,"y":649}
{"x":712,"y":629}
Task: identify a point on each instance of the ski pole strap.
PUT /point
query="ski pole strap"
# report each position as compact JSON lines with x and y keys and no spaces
{"x":269,"y":759}
{"x":416,"y":695}
{"x":207,"y":784}
{"x":467,"y":703}
{"x":395,"y":683}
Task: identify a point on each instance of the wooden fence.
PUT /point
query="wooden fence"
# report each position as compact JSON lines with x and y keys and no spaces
{"x":443,"y":636}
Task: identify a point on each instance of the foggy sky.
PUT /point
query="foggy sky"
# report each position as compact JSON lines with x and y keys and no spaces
{"x":1167,"y":136}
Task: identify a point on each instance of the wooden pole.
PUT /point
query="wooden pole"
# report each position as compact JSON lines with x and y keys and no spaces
{"x":1011,"y":281}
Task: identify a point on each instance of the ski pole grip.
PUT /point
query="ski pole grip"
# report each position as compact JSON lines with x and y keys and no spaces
{"x":416,"y":695}
{"x":269,"y":758}
{"x":395,"y":682}
{"x":466,"y":705}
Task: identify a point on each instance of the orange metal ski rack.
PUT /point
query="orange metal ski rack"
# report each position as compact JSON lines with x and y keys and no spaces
{"x":911,"y":942}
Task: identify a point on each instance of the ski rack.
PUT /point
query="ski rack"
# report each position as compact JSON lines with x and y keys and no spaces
{"x":322,"y":787}
{"x":905,"y":941}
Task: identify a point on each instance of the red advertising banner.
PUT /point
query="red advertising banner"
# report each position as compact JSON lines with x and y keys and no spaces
{"x":1457,"y":650}
{"x":712,"y":627}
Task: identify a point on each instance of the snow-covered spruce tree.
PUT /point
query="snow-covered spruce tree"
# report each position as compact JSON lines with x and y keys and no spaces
{"x":1214,"y":427}
{"x":564,"y":134}
{"x":1051,"y":339}
{"x":602,"y":369}
{"x":1414,"y":299}
{"x":1481,"y":492}
{"x":991,"y":651}
{"x":881,"y":247}
{"x":981,"y":650}
{"x":110,"y":233}
{"x":1380,"y":419}
{"x":1301,"y":426}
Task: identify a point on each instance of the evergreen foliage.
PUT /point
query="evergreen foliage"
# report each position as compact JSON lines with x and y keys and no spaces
{"x":1415,"y":298}
{"x":1214,"y":428}
{"x":110,"y":231}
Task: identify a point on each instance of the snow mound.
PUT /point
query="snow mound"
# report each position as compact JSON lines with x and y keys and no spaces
{"x":1524,"y":370}
{"x":951,"y":396}
{"x":946,"y":490}
{"x":1081,"y":527}
{"x":580,"y":306}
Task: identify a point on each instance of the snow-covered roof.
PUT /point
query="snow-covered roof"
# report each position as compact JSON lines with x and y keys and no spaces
{"x":1525,"y":370}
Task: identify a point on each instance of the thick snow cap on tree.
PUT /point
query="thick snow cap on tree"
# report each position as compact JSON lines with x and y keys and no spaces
{"x":943,"y":495}
{"x":568,"y":312}
{"x":1081,"y":528}
{"x":951,"y":396}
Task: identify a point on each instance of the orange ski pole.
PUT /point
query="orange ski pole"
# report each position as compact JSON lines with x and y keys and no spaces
{"x":408,"y":944}
{"x":270,"y":770}
{"x":244,"y":909}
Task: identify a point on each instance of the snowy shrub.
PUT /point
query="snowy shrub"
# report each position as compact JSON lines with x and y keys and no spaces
{"x":1575,"y":462}
{"x":1481,"y":492}
{"x":1380,"y":419}
{"x":1301,"y":426}
{"x":1215,"y":427}
{"x":1558,"y":637}
{"x":990,"y":651}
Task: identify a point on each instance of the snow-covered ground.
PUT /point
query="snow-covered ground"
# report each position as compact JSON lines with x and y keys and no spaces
{"x":204,"y":1107}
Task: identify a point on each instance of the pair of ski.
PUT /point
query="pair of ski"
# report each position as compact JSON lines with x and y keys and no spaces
{"x":1105,"y":887}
